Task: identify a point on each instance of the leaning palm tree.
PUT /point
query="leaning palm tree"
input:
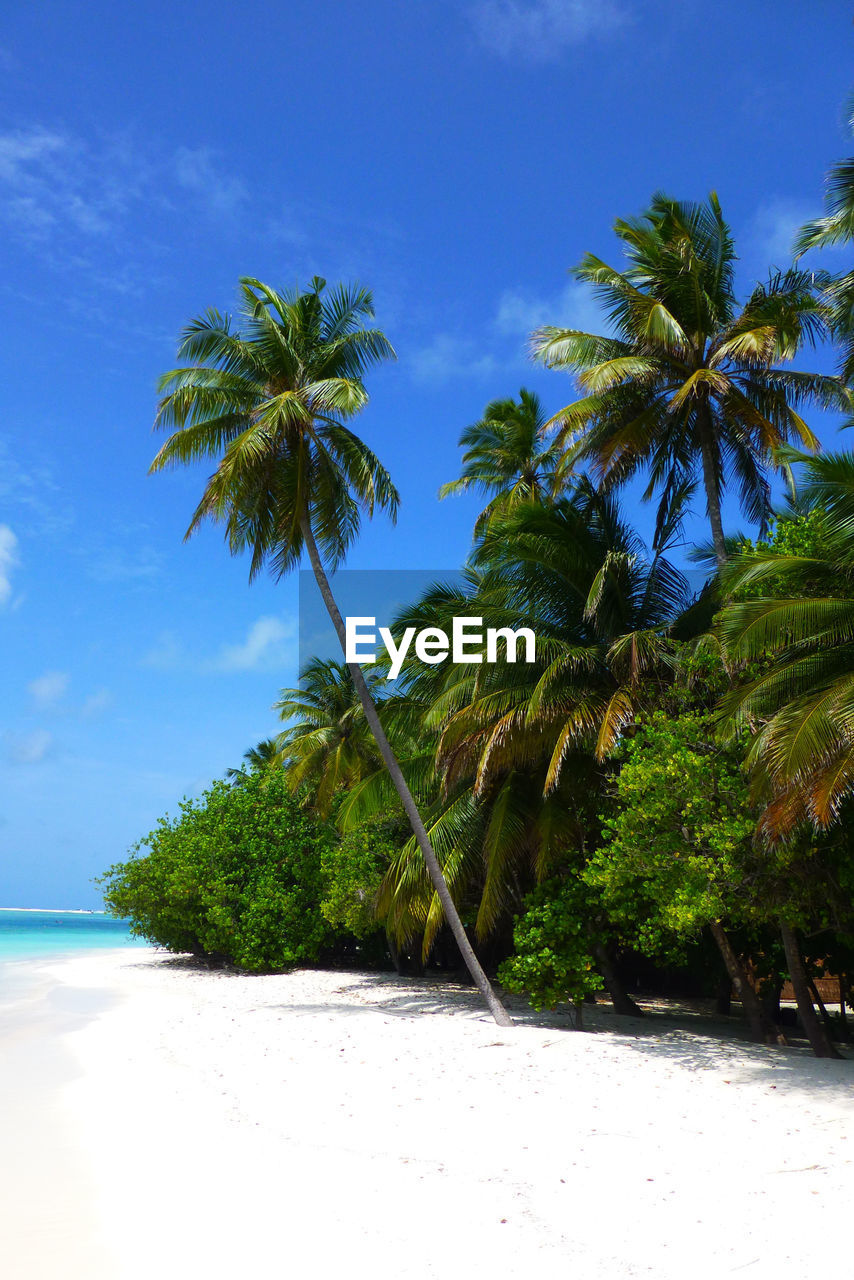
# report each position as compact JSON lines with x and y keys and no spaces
{"x":797,"y":623}
{"x":328,"y":743}
{"x":270,"y":403}
{"x":505,"y":457}
{"x":690,"y":385}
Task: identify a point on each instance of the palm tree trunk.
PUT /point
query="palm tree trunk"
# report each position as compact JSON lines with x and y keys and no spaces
{"x":479,"y":978}
{"x":761,"y":1028}
{"x":713,"y":501}
{"x":819,"y":1040}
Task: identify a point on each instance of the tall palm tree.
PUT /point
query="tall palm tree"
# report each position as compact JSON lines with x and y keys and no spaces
{"x":799,"y":626}
{"x":836,"y":228}
{"x":270,"y":403}
{"x":329,"y":745}
{"x":689,"y":385}
{"x":505,"y":457}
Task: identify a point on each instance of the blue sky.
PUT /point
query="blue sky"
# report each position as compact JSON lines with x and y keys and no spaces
{"x":458,"y":157}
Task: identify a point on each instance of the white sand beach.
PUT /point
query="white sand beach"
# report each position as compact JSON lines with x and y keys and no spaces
{"x":165,"y":1120}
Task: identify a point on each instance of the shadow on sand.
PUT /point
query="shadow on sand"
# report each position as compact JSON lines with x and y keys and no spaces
{"x":683,"y":1034}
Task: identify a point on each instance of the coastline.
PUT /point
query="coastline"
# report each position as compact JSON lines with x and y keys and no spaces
{"x":57,"y":911}
{"x":338,"y":1122}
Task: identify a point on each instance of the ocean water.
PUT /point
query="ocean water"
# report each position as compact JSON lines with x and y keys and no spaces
{"x":26,"y":934}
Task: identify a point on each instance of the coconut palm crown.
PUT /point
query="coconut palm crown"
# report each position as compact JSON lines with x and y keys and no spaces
{"x":689,"y":385}
{"x":327,"y":740}
{"x":799,"y":628}
{"x":836,"y":227}
{"x":270,"y":402}
{"x":506,"y":458}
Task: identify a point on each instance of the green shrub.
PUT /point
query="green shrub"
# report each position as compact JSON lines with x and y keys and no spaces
{"x":353,"y":869}
{"x":677,"y":848}
{"x":551,"y":962}
{"x":237,"y":876}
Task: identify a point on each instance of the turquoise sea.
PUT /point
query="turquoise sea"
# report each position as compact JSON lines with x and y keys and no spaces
{"x":26,"y":934}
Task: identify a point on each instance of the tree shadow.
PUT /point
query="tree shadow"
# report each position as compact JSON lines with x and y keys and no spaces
{"x":683,"y":1034}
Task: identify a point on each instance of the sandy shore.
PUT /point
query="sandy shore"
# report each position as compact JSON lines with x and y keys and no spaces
{"x":162,"y":1120}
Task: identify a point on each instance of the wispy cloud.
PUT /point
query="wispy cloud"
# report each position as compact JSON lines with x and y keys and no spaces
{"x":574,"y":307}
{"x":772,"y":232}
{"x":503,"y":343}
{"x":51,"y":180}
{"x":200,"y":171}
{"x":96,"y":703}
{"x":48,"y":689}
{"x":8,"y":561}
{"x":269,"y":643}
{"x":33,"y":491}
{"x":542,"y":30}
{"x":55,"y":184}
{"x":27,"y":748}
{"x":449,"y":356}
{"x":124,"y":564}
{"x":165,"y":654}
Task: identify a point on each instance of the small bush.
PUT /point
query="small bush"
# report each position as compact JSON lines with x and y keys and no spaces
{"x":551,"y":962}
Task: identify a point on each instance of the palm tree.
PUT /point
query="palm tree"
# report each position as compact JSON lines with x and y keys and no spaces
{"x":517,"y":749}
{"x":689,"y":386}
{"x":800,"y":628}
{"x":329,"y":745}
{"x":505,"y":457}
{"x":270,"y":403}
{"x":835,"y":228}
{"x":265,"y":755}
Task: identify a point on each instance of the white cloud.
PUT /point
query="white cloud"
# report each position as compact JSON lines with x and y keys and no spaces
{"x":34,"y":491}
{"x":165,"y":654}
{"x":772,"y":232}
{"x":57,"y":186}
{"x":268,"y":644}
{"x":8,"y":561}
{"x":48,"y":689}
{"x":120,"y":565}
{"x":447,"y":357}
{"x":197,"y":171}
{"x":28,"y":748}
{"x":49,"y":179}
{"x":542,"y":30}
{"x":575,"y":307}
{"x":450,"y":355}
{"x":96,"y":703}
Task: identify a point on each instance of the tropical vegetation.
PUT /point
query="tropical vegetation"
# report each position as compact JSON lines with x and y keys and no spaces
{"x":664,"y":794}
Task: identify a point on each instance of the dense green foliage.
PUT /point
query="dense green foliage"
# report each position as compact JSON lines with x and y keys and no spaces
{"x":237,"y":876}
{"x":353,"y":869}
{"x":670,"y":776}
{"x":676,"y":848}
{"x":552,"y":960}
